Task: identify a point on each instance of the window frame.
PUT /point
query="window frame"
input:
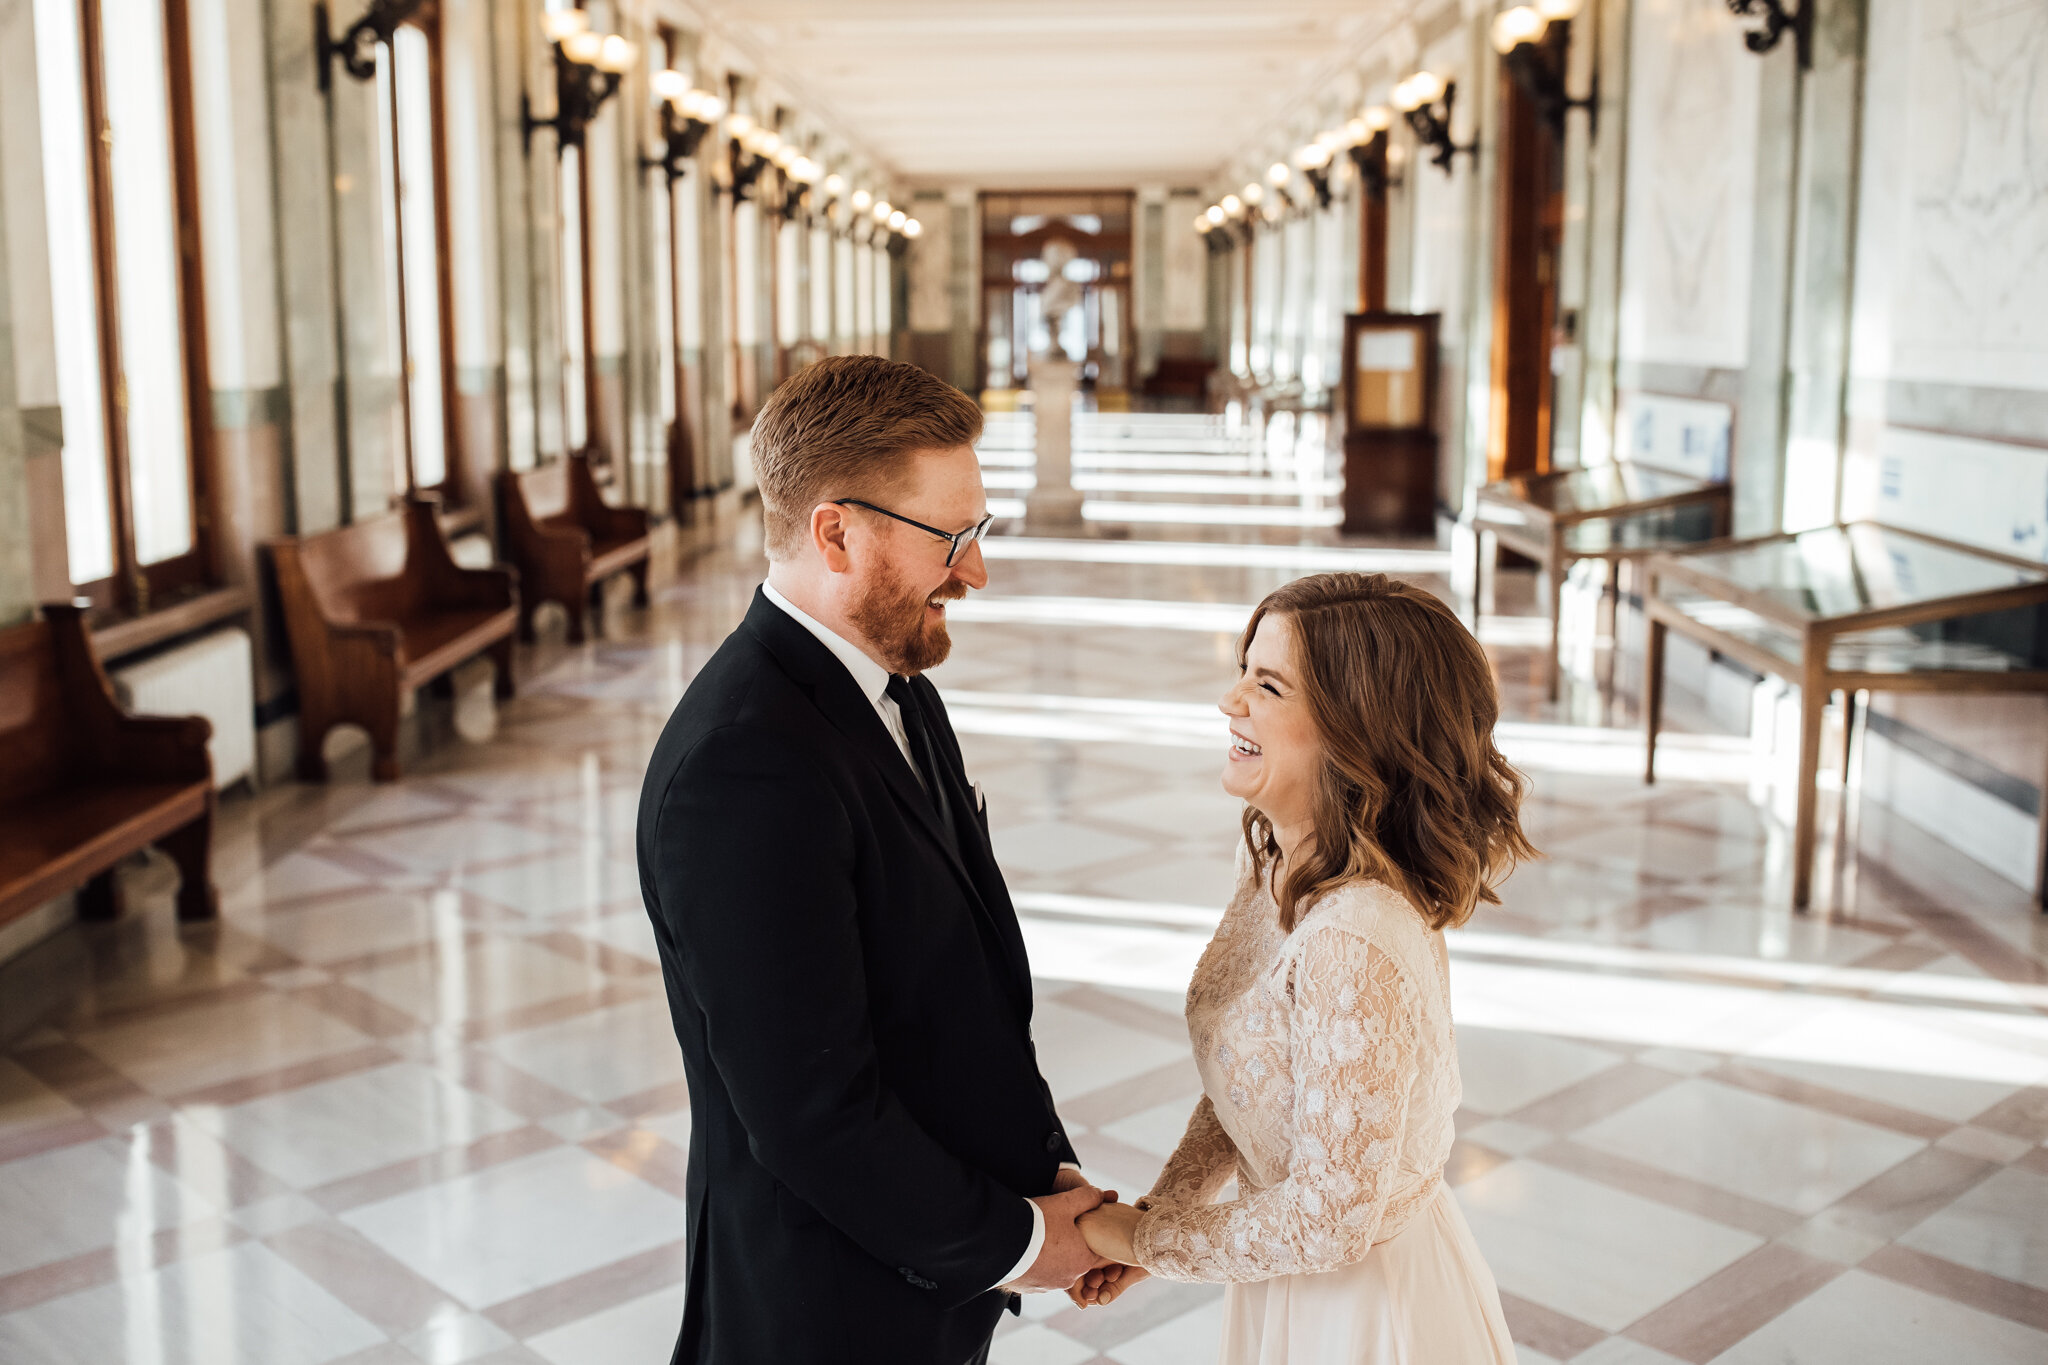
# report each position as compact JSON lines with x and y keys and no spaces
{"x":454,"y":484}
{"x":133,"y":588}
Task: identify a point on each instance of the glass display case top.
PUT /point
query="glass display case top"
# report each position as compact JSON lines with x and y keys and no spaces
{"x":1597,"y":488}
{"x":1839,"y":570}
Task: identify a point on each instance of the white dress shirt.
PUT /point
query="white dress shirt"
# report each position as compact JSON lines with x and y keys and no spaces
{"x":873,"y":681}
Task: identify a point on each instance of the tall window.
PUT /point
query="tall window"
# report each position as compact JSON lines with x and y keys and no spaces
{"x":408,"y":128}
{"x":120,"y":198}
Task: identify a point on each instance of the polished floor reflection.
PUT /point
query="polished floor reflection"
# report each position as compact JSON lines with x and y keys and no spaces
{"x":415,"y":1100}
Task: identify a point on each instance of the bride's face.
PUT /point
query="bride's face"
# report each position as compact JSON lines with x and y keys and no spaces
{"x":1274,"y":749}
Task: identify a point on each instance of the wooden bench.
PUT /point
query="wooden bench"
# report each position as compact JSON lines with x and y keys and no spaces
{"x":83,"y":785}
{"x":377,"y":609}
{"x":567,"y":541}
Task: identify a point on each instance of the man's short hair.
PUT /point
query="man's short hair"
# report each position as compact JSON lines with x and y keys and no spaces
{"x":845,"y":427}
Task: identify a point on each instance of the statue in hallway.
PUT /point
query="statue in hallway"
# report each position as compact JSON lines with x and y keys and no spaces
{"x":1060,"y":295}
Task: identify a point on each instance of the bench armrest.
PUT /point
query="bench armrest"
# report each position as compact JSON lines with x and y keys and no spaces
{"x":164,"y":748}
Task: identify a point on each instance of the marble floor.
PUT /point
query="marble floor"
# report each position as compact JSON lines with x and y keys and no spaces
{"x":415,"y":1100}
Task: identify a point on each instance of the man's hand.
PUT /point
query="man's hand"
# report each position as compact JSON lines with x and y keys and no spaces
{"x":1065,"y":1257}
{"x":1070,"y":1179}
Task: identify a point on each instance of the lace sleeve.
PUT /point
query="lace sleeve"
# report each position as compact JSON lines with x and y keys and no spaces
{"x":1353,"y":1054}
{"x":1201,"y":1165}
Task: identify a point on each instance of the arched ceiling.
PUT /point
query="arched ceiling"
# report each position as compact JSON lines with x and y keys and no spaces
{"x":1072,"y":93}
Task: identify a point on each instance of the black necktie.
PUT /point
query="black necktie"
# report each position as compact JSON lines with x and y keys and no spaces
{"x":925,"y":754}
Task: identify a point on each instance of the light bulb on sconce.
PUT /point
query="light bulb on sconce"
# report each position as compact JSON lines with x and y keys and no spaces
{"x":616,"y":55}
{"x":739,"y":125}
{"x":583,"y":47}
{"x":1558,"y":11}
{"x":1253,"y":192}
{"x":1313,"y":157}
{"x":860,"y":201}
{"x":897,"y":218}
{"x":670,"y":85}
{"x":835,"y":184}
{"x":1512,"y":28}
{"x":1216,"y":214}
{"x":1377,"y":118}
{"x":1232,"y":206}
{"x":562,"y":24}
{"x":804,"y":171}
{"x":882,"y":210}
{"x":1278,"y":174}
{"x":912,"y":229}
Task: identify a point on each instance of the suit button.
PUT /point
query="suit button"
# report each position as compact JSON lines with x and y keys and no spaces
{"x":1052,"y":1141}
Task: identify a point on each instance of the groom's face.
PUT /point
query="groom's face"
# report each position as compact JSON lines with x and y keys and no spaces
{"x":902,"y":581}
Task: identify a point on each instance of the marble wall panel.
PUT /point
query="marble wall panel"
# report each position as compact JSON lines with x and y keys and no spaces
{"x":1691,"y":186}
{"x":237,"y":202}
{"x":21,"y":200}
{"x":17,"y":592}
{"x":1988,"y":493}
{"x":303,"y":180}
{"x":1970,"y":286}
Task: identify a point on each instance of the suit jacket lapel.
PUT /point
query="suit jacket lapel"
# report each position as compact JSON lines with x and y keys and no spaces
{"x":853,"y":715}
{"x":974,"y":841}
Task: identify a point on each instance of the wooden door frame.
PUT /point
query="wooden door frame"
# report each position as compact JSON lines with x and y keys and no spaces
{"x":1530,"y":166}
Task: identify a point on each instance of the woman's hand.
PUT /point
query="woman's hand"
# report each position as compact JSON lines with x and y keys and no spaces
{"x":1109,"y":1230}
{"x":1100,"y":1287}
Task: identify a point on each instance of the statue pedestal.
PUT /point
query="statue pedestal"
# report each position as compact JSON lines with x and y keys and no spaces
{"x":1054,"y":504}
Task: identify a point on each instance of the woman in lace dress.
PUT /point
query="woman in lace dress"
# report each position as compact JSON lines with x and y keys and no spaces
{"x":1378,"y":812}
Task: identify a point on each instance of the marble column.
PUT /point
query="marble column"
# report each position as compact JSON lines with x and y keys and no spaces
{"x":1593,"y":240}
{"x":1823,"y":269}
{"x":1757,"y":455}
{"x":1148,"y":282}
{"x":303,"y":182}
{"x":963,"y":228}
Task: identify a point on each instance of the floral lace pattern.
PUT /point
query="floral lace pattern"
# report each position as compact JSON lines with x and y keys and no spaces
{"x":1330,"y":1074}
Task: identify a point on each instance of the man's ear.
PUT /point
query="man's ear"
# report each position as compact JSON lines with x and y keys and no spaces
{"x":828,"y":536}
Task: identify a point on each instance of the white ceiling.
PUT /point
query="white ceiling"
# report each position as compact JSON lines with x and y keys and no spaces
{"x":1073,"y":93}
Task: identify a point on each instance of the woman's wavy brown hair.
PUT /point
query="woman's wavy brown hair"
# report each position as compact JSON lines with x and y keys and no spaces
{"x":1412,"y":791}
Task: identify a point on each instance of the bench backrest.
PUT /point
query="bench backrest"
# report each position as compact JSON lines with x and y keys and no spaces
{"x":357,"y":572}
{"x":545,"y":490}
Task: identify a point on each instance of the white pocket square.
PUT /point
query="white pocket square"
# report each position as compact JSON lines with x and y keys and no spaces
{"x":980,"y":796}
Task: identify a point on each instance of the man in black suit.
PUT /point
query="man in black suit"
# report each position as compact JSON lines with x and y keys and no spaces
{"x":875,"y":1162}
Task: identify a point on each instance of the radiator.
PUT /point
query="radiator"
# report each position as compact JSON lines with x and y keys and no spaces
{"x":209,"y":677}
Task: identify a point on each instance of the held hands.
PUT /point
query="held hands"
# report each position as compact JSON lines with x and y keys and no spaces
{"x":1109,"y":1229}
{"x":1065,"y":1257}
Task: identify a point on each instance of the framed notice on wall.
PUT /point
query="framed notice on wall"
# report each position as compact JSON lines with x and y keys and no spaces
{"x":1389,"y":379}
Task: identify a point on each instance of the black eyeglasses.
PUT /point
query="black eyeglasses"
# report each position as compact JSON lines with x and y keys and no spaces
{"x":958,"y":541}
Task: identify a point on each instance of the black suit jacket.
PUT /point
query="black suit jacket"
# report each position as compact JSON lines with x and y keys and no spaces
{"x":853,"y":1004}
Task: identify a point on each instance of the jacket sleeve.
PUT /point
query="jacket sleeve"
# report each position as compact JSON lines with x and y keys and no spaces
{"x":754,"y":867}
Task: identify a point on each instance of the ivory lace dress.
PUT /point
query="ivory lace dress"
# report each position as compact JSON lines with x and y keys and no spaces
{"x":1330,"y":1075}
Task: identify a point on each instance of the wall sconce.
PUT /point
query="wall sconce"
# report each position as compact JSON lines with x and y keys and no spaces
{"x":357,"y":48}
{"x":587,"y":70}
{"x":687,"y":114}
{"x":1314,"y":161}
{"x":1776,"y":21}
{"x":1426,"y":99}
{"x":797,"y":178}
{"x":753,"y":148}
{"x":1538,"y":67}
{"x":1369,"y":147}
